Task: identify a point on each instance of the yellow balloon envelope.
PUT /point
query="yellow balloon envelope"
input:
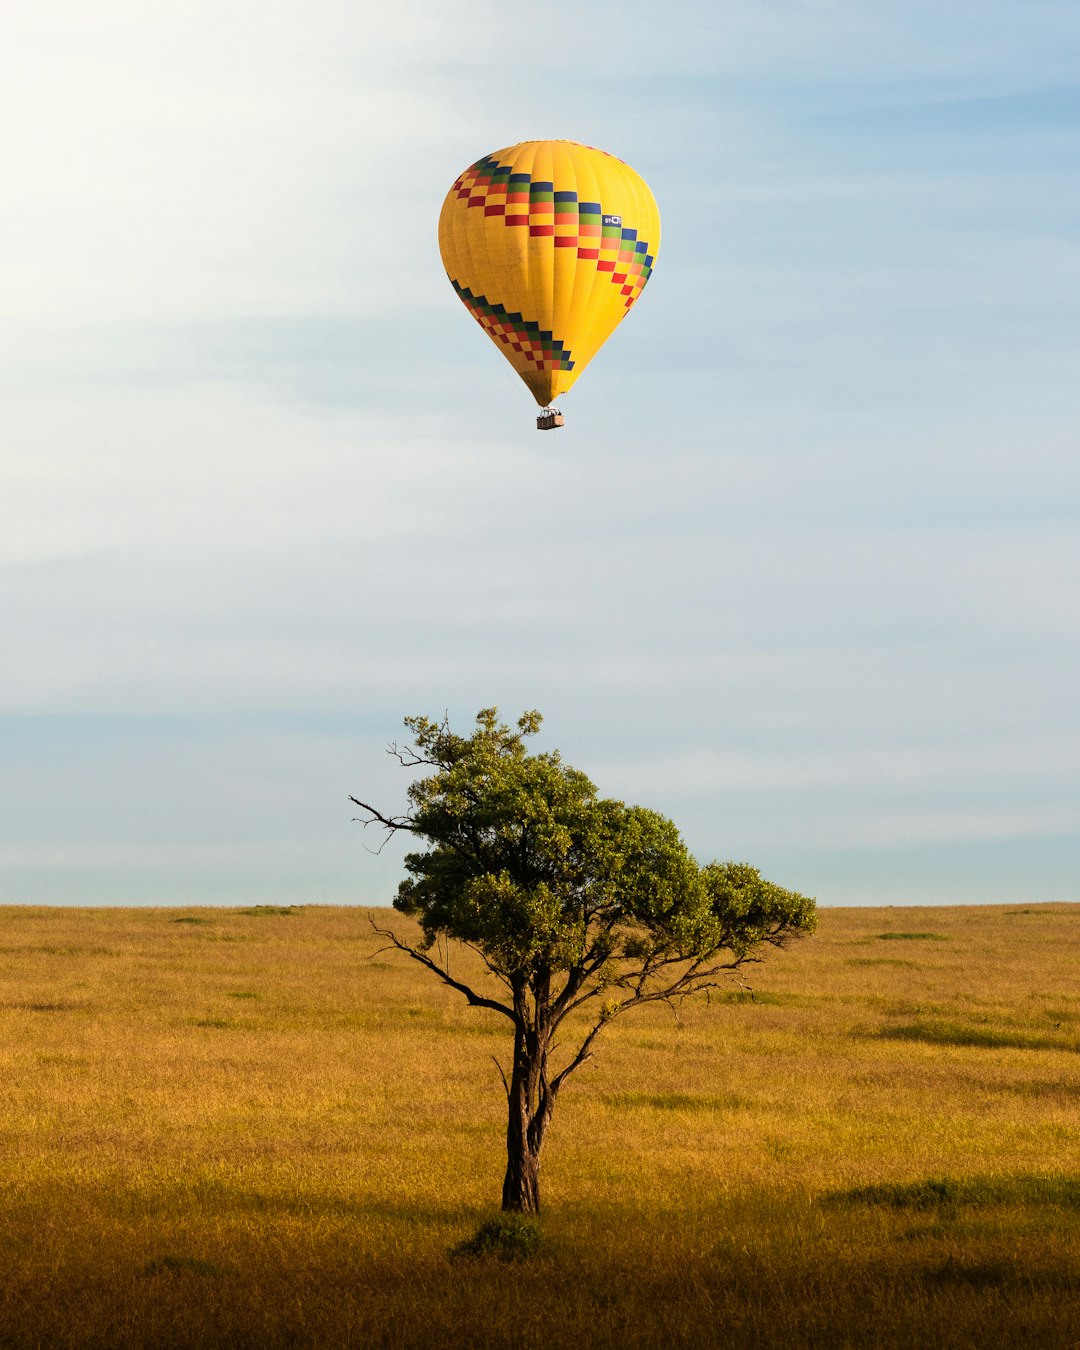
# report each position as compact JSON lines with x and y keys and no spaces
{"x":549,"y":244}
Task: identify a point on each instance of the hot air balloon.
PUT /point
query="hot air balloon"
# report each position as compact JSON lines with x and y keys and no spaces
{"x":549,"y":244}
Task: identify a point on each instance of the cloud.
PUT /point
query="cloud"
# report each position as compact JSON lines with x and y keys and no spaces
{"x":195,"y":160}
{"x":800,"y":570}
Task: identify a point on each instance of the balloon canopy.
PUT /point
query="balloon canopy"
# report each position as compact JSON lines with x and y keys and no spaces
{"x":549,"y":244}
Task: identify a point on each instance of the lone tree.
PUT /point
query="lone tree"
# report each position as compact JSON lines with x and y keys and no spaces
{"x":576,"y":904}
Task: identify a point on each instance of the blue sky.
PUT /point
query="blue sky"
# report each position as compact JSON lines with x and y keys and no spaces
{"x":801,"y":571}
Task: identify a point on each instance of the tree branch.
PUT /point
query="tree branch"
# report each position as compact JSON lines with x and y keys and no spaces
{"x":474,"y":999}
{"x":388,"y":822}
{"x":409,"y":759}
{"x":584,"y":1053}
{"x":693,"y":980}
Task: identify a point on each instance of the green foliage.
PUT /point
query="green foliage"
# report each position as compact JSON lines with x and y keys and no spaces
{"x":571,"y":900}
{"x":751,"y":909}
{"x":528,"y":865}
{"x":510,"y":1237}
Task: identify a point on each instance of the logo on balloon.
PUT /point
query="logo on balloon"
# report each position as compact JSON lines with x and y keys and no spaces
{"x":613,"y":220}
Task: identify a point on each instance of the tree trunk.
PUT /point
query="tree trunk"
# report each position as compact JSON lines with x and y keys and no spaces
{"x":521,"y":1186}
{"x":530,"y":1104}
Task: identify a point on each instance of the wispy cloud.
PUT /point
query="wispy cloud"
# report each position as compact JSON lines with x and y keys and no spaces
{"x":801,"y":569}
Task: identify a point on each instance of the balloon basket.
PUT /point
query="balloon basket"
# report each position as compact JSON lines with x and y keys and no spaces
{"x":549,"y":419}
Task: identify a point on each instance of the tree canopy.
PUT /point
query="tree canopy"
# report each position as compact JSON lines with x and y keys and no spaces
{"x":574,"y":903}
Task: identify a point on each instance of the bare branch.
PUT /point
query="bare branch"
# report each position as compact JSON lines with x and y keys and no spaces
{"x":409,"y":759}
{"x":584,"y":1053}
{"x":391,"y":823}
{"x":589,"y":993}
{"x":375,"y":852}
{"x":502,"y":1075}
{"x":474,"y":999}
{"x":696,"y":978}
{"x":492,"y":970}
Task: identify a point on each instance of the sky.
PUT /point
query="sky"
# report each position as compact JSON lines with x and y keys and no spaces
{"x":801,"y":571}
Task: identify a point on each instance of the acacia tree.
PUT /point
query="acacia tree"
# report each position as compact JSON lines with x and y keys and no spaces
{"x":575,"y":904}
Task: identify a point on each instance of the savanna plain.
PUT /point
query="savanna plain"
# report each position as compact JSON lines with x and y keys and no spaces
{"x":254,"y":1128}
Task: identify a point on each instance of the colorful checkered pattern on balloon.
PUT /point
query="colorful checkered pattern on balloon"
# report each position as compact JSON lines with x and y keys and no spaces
{"x":521,"y":335}
{"x":584,"y":226}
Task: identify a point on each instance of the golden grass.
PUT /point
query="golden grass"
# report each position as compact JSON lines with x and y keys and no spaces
{"x":245,"y":1128}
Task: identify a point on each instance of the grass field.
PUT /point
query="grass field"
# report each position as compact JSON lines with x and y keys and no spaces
{"x":245,"y":1128}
